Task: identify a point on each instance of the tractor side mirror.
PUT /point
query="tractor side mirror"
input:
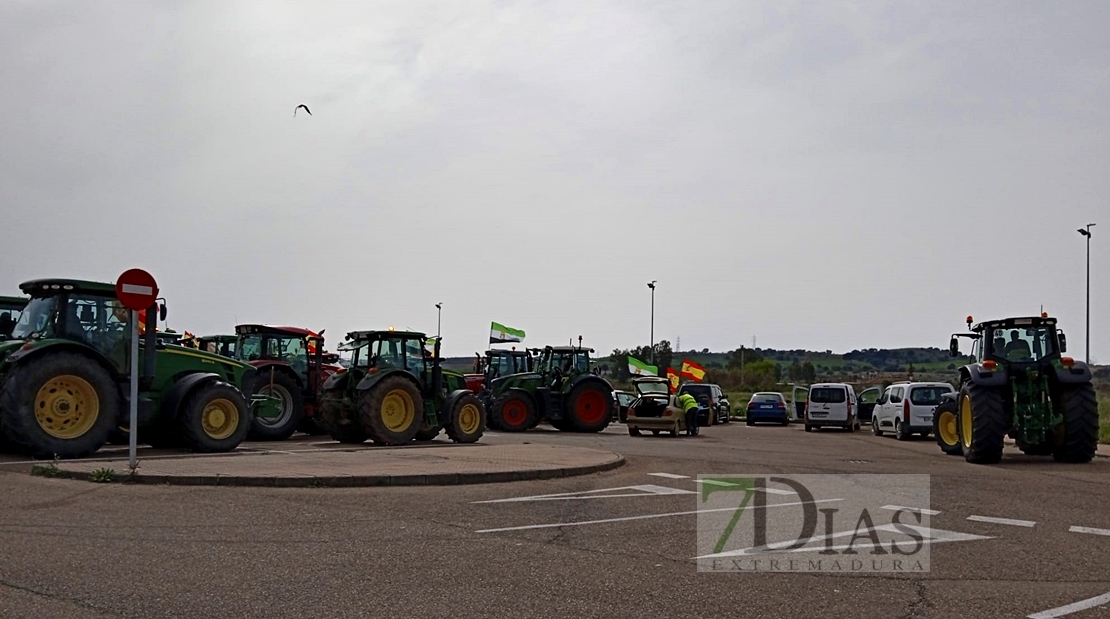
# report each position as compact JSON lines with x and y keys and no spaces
{"x":1063,"y":342}
{"x":954,"y":347}
{"x":162,"y":312}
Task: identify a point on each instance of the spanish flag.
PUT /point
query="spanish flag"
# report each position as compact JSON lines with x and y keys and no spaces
{"x":672,"y":376}
{"x":692,"y":370}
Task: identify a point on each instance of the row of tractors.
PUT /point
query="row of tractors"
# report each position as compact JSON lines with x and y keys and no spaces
{"x":65,"y":358}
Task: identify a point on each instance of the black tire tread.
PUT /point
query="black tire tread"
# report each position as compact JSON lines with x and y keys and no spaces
{"x":189,"y":418}
{"x":497,"y":412}
{"x":341,"y":427}
{"x":263,"y":432}
{"x":370,"y":415}
{"x":988,"y":424}
{"x":1080,"y":408}
{"x":452,"y":426}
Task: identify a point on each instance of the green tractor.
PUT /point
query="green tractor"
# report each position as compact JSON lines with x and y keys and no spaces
{"x":395,"y":391}
{"x":65,"y":378}
{"x":10,"y":309}
{"x":561,"y":389}
{"x":490,"y":370}
{"x":1019,"y":385}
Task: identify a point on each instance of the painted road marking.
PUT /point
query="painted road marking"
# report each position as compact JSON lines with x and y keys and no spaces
{"x":718,"y":482}
{"x":1009,"y":521}
{"x":912,"y":510}
{"x":556,"y":525}
{"x":1072,"y":608}
{"x":669,"y":475}
{"x":1091,"y":530}
{"x":642,"y":490}
{"x":928,"y":536}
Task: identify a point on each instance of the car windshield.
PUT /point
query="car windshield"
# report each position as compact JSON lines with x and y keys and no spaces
{"x":827,"y":395}
{"x":928,"y":396}
{"x":698,"y":391}
{"x":652,"y":387}
{"x":767,"y":397}
{"x":1022,"y":344}
{"x":36,"y":318}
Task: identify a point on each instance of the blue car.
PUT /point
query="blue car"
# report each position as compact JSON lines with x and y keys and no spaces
{"x":770,"y":407}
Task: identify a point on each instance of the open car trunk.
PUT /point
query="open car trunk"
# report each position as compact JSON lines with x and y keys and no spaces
{"x":651,"y":406}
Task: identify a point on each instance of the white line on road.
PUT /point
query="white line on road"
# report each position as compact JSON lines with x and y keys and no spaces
{"x":718,"y":482}
{"x":645,"y":517}
{"x":919,"y":510}
{"x":1072,"y":608}
{"x":1091,"y":530}
{"x":643,"y":490}
{"x":669,"y":475}
{"x":1009,"y":521}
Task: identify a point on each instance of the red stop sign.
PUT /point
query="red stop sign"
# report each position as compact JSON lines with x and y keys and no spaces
{"x":136,"y":289}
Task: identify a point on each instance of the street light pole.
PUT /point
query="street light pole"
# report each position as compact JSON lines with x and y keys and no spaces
{"x":652,"y":286}
{"x":1087,"y":233}
{"x":439,"y":316}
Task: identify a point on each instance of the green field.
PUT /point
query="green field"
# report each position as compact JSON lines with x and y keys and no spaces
{"x":1104,"y":418}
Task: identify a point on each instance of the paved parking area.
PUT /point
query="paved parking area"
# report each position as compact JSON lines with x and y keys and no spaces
{"x":1018,"y":539}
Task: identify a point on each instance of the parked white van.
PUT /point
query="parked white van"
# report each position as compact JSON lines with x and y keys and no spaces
{"x":907,"y":408}
{"x":832,"y":404}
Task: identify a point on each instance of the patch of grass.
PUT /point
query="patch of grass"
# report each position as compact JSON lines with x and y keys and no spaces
{"x":46,"y":470}
{"x":102,"y":476}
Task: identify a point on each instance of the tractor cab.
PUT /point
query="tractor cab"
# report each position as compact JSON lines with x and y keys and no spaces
{"x":563,"y":361}
{"x":223,"y":345}
{"x":10,"y":309}
{"x":1018,"y":342}
{"x":264,"y":345}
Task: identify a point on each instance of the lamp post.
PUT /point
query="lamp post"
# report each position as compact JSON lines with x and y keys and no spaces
{"x":652,"y":286}
{"x":439,"y":316}
{"x":1087,"y":233}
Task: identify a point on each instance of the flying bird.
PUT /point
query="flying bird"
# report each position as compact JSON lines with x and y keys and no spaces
{"x":299,"y":107}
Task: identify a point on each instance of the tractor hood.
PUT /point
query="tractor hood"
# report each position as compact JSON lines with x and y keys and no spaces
{"x":174,"y":349}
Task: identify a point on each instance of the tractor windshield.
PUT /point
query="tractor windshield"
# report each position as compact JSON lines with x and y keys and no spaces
{"x":1023,"y":344}
{"x":250,"y":347}
{"x":37,"y":317}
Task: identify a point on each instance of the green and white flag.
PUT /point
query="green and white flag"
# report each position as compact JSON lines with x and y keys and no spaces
{"x":639,"y":368}
{"x":500,"y":334}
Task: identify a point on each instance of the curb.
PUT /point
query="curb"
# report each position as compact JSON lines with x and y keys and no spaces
{"x":352,"y":481}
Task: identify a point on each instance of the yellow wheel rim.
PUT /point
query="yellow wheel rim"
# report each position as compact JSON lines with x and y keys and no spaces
{"x":947,"y":428}
{"x":67,"y":407}
{"x":398,"y":411}
{"x":965,"y":420}
{"x":220,"y":419}
{"x":469,"y":419}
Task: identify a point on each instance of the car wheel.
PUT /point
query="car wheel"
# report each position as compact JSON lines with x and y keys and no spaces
{"x":809,"y":428}
{"x":875,"y":427}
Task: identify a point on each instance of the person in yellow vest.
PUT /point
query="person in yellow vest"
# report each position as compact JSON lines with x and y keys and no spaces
{"x":689,"y":406}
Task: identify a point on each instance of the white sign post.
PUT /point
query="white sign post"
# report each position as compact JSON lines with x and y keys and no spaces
{"x":133,"y":438}
{"x":138,"y":291}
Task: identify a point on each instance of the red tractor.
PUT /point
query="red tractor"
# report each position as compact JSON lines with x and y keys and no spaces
{"x":291,"y":365}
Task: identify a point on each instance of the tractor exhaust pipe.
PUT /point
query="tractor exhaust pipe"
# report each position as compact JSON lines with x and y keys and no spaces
{"x":150,"y":341}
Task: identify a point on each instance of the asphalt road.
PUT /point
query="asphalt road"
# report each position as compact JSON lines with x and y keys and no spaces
{"x":75,"y":549}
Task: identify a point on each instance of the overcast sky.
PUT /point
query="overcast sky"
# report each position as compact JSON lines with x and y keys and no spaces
{"x":821,"y":175}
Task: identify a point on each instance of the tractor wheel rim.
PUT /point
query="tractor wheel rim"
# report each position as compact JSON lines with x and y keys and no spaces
{"x":286,"y":398}
{"x":398,"y":411}
{"x":469,"y":419}
{"x":965,"y":420}
{"x":220,"y":419}
{"x":66,"y":407}
{"x":590,"y":407}
{"x":514,"y":412}
{"x":947,"y":428}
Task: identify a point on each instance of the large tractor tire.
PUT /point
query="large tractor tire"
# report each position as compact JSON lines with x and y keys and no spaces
{"x":982,"y":424}
{"x":283,"y":387}
{"x":466,"y":421}
{"x":214,"y":418}
{"x":60,"y":405}
{"x":1079,"y":437}
{"x":946,"y":427}
{"x":343,"y":428}
{"x":514,"y":412}
{"x":391,"y":411}
{"x":589,"y":407}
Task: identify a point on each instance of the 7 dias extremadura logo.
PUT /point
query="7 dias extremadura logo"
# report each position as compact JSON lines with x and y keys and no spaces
{"x":816,"y":523}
